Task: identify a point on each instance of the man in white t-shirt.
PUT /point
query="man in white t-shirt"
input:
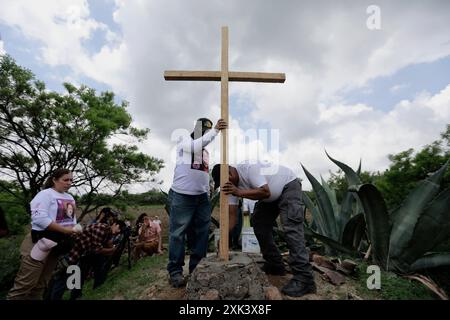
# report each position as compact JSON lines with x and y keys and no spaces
{"x":189,"y":204}
{"x":278,"y":192}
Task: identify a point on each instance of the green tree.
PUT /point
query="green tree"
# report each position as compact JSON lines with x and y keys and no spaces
{"x":42,"y":130}
{"x":408,"y":168}
{"x":339,"y":183}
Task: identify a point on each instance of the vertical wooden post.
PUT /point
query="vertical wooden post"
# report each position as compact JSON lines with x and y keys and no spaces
{"x":224,"y":76}
{"x":224,"y":212}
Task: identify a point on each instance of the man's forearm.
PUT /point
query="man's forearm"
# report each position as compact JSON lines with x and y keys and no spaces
{"x":254,"y":194}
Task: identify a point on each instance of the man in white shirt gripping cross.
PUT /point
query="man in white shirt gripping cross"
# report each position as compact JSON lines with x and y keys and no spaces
{"x":278,"y":193}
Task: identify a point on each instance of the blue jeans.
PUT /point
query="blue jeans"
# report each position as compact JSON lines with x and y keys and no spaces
{"x":187,"y":210}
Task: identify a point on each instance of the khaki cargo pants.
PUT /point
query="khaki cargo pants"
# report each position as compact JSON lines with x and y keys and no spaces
{"x":33,"y":276}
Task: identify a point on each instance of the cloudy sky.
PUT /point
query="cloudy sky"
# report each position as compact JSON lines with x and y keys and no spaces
{"x":357,"y":90}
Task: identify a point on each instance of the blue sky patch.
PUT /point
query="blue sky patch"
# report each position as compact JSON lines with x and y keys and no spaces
{"x":383,"y":93}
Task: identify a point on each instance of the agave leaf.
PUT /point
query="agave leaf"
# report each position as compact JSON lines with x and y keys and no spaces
{"x":432,"y":228}
{"x":215,"y":200}
{"x":346,"y":211}
{"x":407,"y":215}
{"x":317,"y":218}
{"x":358,"y":172}
{"x":325,"y":207}
{"x":215,"y":222}
{"x":377,"y":220}
{"x":432,"y":260}
{"x":351,"y":175}
{"x":354,"y":231}
{"x":358,"y":205}
{"x":330,"y":242}
{"x":332,"y":196}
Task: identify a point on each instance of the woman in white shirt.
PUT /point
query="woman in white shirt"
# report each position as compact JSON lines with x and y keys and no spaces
{"x":50,"y":223}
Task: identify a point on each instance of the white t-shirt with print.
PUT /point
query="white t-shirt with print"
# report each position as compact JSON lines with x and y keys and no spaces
{"x":51,"y":206}
{"x":192,"y":169}
{"x":255,"y":175}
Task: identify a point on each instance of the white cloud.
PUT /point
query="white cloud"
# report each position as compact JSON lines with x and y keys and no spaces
{"x":371,"y":135}
{"x":323,"y":47}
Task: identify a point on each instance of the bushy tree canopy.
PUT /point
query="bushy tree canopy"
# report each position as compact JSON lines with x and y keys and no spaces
{"x":42,"y":130}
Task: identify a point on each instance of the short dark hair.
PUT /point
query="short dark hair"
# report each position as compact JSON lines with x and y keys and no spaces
{"x":121,"y":224}
{"x":201,"y":125}
{"x":216,"y":175}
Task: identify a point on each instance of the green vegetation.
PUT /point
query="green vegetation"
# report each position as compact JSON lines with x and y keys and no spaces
{"x":127,"y":284}
{"x":9,"y":262}
{"x":339,"y":226}
{"x":42,"y":130}
{"x":393,"y":287}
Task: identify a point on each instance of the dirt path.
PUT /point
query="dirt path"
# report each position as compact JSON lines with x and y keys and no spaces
{"x":161,"y":289}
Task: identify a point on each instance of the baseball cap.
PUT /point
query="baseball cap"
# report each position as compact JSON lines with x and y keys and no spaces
{"x":201,"y":126}
{"x":42,"y":248}
{"x":206,"y":123}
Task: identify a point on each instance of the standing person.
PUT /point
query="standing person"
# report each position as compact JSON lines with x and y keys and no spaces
{"x":235,"y":233}
{"x":50,"y":225}
{"x":279,"y":193}
{"x":248,"y":207}
{"x":189,"y":200}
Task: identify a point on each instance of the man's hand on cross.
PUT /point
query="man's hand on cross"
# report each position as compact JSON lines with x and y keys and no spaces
{"x":230,"y":188}
{"x":221,"y":124}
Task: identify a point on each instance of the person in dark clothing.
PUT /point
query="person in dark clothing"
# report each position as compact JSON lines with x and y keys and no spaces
{"x":94,"y":240}
{"x":279,"y":193}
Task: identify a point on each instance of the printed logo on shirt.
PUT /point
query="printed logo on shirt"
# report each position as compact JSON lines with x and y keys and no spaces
{"x":200,"y":161}
{"x":35,"y":212}
{"x":66,"y":212}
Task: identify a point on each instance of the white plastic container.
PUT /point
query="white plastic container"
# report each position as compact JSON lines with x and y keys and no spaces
{"x":216,"y":238}
{"x":249,"y":242}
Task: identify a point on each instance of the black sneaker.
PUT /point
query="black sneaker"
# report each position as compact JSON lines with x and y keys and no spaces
{"x":177,"y":280}
{"x":273,"y":269}
{"x":295,"y":288}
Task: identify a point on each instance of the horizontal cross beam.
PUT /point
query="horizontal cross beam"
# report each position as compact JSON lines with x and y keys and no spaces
{"x":232,"y":76}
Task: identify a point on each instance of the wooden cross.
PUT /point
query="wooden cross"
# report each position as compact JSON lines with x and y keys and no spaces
{"x":224,"y":76}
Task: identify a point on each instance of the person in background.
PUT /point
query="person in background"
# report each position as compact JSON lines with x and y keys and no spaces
{"x":104,"y":215}
{"x":235,"y":233}
{"x":248,"y":206}
{"x":94,"y":240}
{"x":50,"y":227}
{"x":149,"y":239}
{"x":138,"y":224}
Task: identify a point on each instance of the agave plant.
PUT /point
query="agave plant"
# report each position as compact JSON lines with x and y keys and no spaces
{"x":402,"y":240}
{"x":339,"y":226}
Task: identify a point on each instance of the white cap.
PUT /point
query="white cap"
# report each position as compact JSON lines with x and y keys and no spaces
{"x":42,"y":248}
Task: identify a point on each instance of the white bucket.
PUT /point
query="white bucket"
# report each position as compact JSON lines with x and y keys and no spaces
{"x":249,"y":242}
{"x":216,"y":238}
